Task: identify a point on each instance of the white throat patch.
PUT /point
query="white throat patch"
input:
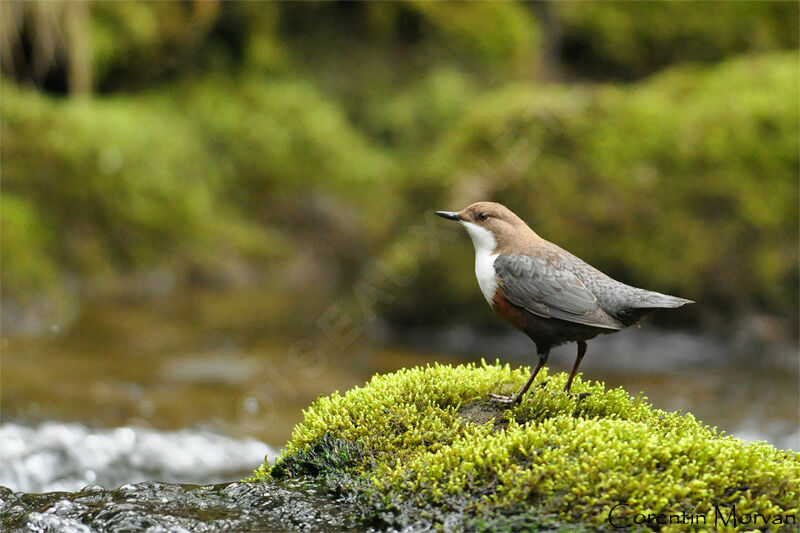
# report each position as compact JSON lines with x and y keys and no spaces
{"x":485,"y":245}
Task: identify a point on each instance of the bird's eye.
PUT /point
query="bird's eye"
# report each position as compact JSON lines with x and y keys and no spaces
{"x":483,"y":216}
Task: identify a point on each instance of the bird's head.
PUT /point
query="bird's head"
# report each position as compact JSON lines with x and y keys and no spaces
{"x":491,"y":225}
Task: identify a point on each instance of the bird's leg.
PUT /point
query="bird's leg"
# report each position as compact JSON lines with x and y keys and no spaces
{"x":581,"y":352}
{"x":517,"y":398}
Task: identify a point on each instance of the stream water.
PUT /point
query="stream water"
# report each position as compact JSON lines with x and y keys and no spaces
{"x":164,"y":507}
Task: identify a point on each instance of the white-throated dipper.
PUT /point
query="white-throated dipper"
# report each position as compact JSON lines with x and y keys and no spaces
{"x":546,"y":292}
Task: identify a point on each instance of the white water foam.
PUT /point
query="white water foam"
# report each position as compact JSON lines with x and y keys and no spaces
{"x":55,"y":456}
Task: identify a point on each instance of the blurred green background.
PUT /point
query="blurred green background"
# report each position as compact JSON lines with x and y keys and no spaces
{"x":290,"y":155}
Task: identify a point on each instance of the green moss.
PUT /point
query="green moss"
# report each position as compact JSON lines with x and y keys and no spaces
{"x":629,"y":40}
{"x":499,"y":33}
{"x":129,"y":185}
{"x":281,"y":135}
{"x":428,"y":439}
{"x":26,"y":265}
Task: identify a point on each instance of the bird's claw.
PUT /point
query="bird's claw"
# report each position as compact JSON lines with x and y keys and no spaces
{"x":505,"y":400}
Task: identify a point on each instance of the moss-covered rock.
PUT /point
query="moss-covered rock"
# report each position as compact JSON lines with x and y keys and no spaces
{"x":425,"y":446}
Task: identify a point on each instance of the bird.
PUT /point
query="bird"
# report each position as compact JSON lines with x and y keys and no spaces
{"x":546,"y":292}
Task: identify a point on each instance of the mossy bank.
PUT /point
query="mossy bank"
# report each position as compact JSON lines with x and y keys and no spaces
{"x":424,"y":447}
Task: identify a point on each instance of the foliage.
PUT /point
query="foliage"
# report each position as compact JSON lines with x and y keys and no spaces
{"x":322,"y":135}
{"x":504,"y":33}
{"x":282,"y":135}
{"x":630,"y":40}
{"x":683,"y":183}
{"x":427,"y":439}
{"x":140,"y":44}
{"x":294,"y":163}
{"x":415,"y":117}
{"x":137,"y":44}
{"x":26,"y":267}
{"x":122,"y":183}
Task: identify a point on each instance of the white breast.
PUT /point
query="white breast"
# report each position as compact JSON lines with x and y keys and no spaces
{"x":485,"y":245}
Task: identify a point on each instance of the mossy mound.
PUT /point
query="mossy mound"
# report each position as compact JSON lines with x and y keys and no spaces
{"x":426,"y":445}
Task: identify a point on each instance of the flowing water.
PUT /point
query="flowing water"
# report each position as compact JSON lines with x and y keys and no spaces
{"x":144,"y":414}
{"x":164,"y":507}
{"x":57,"y":456}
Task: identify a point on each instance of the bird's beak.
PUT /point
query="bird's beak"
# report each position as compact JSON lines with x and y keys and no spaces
{"x":452,"y":215}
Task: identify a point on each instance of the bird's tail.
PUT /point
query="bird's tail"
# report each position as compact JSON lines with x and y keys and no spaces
{"x":656,"y":300}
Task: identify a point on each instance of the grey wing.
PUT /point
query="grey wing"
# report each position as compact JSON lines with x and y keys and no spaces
{"x":547,"y":289}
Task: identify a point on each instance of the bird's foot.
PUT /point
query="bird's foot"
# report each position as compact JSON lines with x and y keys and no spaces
{"x":579,"y":395}
{"x":505,"y":400}
{"x":544,"y":383}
